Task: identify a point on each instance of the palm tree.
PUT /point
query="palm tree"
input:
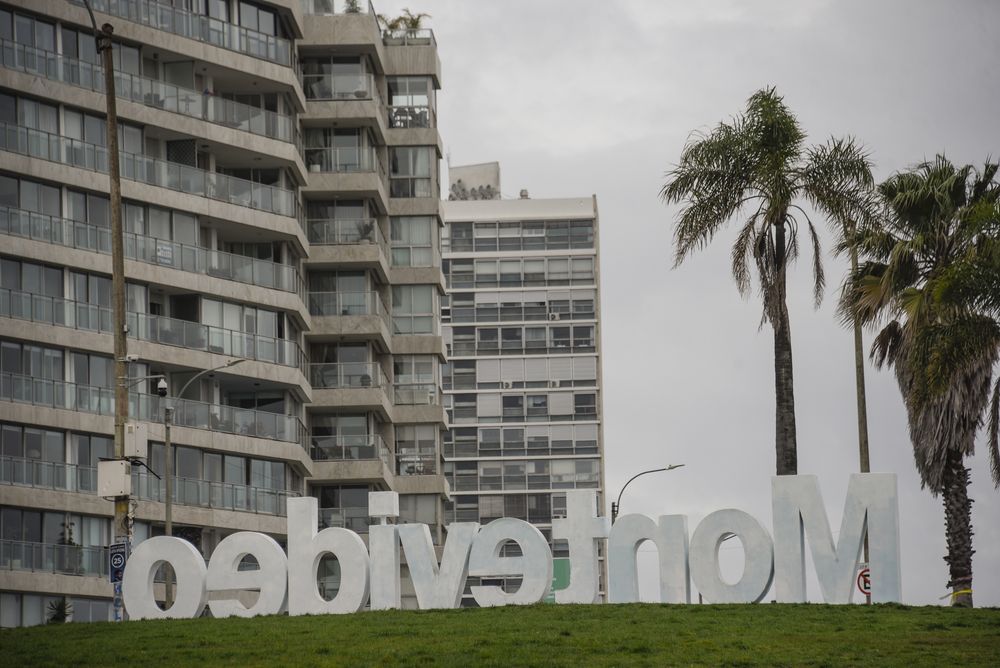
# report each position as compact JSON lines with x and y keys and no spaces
{"x":931,"y":278}
{"x":756,"y":168}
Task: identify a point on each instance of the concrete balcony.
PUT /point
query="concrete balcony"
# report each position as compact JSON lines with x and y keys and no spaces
{"x":348,"y":244}
{"x":352,"y":386}
{"x":357,"y":459}
{"x":349,"y":316}
{"x":330,"y":28}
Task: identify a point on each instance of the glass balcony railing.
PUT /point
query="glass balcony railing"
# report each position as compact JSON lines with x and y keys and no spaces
{"x":220,"y":418}
{"x":199,"y":27}
{"x":349,"y":448}
{"x":355,"y":519}
{"x":218,"y":495}
{"x":156,"y":172}
{"x":17,"y":555}
{"x":196,"y":336}
{"x":218,"y":264}
{"x":344,"y":232}
{"x":54,"y":311}
{"x":411,"y":461}
{"x":149,"y":92}
{"x":416,"y":394}
{"x":409,"y":37}
{"x":410,"y":116}
{"x":347,"y":303}
{"x":320,"y":87}
{"x":26,"y":472}
{"x":66,"y":395}
{"x":340,"y":160}
{"x":346,"y":375}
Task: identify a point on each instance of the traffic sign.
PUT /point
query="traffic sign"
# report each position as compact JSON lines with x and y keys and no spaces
{"x":117,"y":556}
{"x":865,"y":581}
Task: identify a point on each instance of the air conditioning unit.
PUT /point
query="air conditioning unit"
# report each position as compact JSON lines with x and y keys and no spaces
{"x":554,"y":316}
{"x":506,"y":385}
{"x":553,"y":383}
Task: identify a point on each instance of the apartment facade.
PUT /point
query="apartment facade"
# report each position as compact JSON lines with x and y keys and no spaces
{"x":279,"y":165}
{"x":523,"y":378}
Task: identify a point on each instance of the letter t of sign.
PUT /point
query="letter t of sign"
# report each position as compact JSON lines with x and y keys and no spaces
{"x":582,"y":529}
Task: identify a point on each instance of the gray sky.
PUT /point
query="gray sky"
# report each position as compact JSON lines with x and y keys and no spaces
{"x":575,"y":98}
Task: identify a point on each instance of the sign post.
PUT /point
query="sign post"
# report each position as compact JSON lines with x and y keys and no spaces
{"x":117,"y":556}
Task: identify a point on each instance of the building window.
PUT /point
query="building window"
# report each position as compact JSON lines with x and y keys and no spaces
{"x":413,"y":309}
{"x":410,"y":171}
{"x":413,"y":241}
{"x":411,"y":102}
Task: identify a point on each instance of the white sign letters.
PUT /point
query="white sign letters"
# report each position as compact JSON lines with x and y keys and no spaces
{"x":371,"y":574}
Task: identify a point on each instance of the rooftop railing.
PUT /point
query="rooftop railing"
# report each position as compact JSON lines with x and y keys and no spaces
{"x":340,"y":160}
{"x":349,"y":448}
{"x":409,"y":37}
{"x":332,"y":7}
{"x":210,"y":494}
{"x":199,"y":27}
{"x":344,"y":231}
{"x":218,"y":264}
{"x":66,"y":395}
{"x":154,"y":171}
{"x":348,"y":303}
{"x":18,"y":555}
{"x":346,"y":375}
{"x":152,"y":93}
{"x":196,"y":336}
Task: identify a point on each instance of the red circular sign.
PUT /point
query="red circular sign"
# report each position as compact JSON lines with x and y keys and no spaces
{"x":865,"y":581}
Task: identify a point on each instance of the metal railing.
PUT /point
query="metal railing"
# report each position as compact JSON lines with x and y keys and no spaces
{"x":347,"y":303}
{"x":199,"y":27}
{"x":344,"y":231}
{"x":558,"y":346}
{"x":346,"y":375}
{"x":520,"y":312}
{"x":412,"y":116}
{"x":26,"y":472}
{"x":416,"y":462}
{"x":194,"y":259}
{"x":360,"y":86}
{"x":154,"y":171}
{"x":66,"y":395}
{"x":196,"y":336}
{"x":409,"y":37}
{"x":149,"y":92}
{"x":416,"y":394}
{"x":349,"y":448}
{"x":209,"y":494}
{"x":19,"y":555}
{"x":340,"y":160}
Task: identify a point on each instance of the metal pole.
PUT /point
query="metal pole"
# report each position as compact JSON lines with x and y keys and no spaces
{"x":616,"y":505}
{"x":168,"y":523}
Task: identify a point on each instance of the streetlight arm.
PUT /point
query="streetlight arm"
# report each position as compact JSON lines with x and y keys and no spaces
{"x":618,"y":503}
{"x":180,"y":395}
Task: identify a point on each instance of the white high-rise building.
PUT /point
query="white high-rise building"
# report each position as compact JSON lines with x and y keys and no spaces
{"x":523,"y":378}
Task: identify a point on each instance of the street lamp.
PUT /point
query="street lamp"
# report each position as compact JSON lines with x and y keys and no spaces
{"x":616,"y":505}
{"x":168,"y":458}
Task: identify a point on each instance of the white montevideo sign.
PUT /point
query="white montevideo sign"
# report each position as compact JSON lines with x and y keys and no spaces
{"x":371,"y":575}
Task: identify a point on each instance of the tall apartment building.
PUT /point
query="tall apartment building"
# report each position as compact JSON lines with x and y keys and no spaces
{"x":279,"y":164}
{"x":523,"y":378}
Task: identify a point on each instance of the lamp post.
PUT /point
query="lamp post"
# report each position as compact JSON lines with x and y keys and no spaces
{"x":616,"y":505}
{"x":168,"y":461}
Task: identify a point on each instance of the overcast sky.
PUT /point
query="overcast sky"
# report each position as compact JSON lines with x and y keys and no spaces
{"x":583,"y":97}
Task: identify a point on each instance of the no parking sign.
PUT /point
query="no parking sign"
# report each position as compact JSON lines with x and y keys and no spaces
{"x":865,"y":581}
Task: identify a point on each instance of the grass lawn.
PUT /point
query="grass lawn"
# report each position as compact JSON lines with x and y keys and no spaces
{"x":737,"y":635}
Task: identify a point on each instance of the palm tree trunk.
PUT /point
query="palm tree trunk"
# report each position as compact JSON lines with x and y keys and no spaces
{"x":786,"y":454}
{"x":859,"y":380}
{"x":958,"y":528}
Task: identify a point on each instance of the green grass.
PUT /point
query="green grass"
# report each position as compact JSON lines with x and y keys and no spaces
{"x":793,"y":635}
